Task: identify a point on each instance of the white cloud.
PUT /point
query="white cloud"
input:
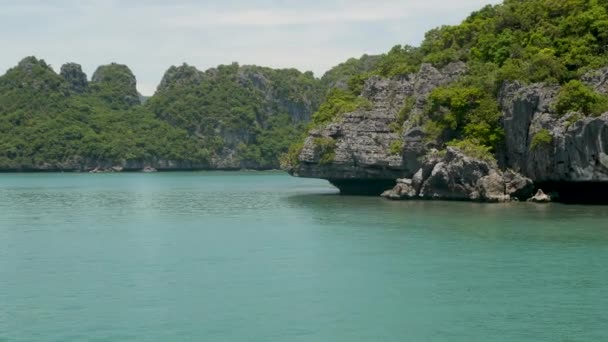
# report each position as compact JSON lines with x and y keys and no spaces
{"x":149,"y":36}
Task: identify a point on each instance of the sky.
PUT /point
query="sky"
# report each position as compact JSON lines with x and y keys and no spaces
{"x":150,"y":36}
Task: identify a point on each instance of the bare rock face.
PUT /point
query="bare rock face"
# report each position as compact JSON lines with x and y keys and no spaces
{"x":578,"y":148}
{"x":462,"y":178}
{"x":76,"y":78}
{"x":561,"y":153}
{"x":362,"y":140}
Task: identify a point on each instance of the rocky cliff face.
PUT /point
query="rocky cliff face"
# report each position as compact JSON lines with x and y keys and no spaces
{"x":577,"y":148}
{"x":573,"y":156}
{"x":75,"y":77}
{"x":363,"y":160}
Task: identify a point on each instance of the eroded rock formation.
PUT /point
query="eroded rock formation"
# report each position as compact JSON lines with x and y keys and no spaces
{"x":363,"y":158}
{"x":573,"y":154}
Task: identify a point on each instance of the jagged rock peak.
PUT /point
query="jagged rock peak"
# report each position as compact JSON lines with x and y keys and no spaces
{"x":36,"y":74}
{"x":28,"y":63}
{"x":183,"y":75}
{"x":114,"y":73}
{"x":116,"y":81}
{"x":76,"y":78}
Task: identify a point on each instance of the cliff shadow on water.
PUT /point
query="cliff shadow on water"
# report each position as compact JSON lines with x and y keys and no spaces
{"x":362,"y":187}
{"x":577,"y":192}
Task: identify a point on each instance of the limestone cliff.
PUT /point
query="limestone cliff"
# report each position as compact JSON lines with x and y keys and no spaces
{"x":578,"y":145}
{"x":574,"y":157}
{"x":363,"y":160}
{"x":75,"y":77}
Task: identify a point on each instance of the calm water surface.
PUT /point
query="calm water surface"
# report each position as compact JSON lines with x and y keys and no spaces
{"x":267,"y":257}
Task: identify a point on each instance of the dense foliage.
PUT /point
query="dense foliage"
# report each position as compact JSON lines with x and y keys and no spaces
{"x":576,"y":97}
{"x":340,"y":75}
{"x":253,"y":110}
{"x":542,"y":138}
{"x":250,"y":115}
{"x":550,"y":41}
{"x":51,"y":121}
{"x":43,"y":125}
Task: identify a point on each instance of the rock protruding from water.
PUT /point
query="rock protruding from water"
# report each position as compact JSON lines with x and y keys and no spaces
{"x":540,"y":197}
{"x":75,"y":77}
{"x":456,"y":176}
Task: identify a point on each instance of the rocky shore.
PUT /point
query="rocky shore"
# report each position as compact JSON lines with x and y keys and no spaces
{"x":573,"y":154}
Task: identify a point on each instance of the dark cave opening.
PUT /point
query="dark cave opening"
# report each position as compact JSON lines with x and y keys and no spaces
{"x":577,"y":192}
{"x":363,"y":187}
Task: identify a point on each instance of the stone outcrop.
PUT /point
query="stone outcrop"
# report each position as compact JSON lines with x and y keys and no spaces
{"x":181,"y":76}
{"x":577,"y":151}
{"x":457,"y":176}
{"x":116,"y":83}
{"x":362,"y":156}
{"x":75,"y":77}
{"x":572,"y":154}
{"x":540,"y":197}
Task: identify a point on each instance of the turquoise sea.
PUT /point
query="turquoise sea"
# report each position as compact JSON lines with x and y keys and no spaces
{"x":253,"y":256}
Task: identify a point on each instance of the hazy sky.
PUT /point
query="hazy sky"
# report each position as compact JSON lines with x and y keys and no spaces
{"x":150,"y":36}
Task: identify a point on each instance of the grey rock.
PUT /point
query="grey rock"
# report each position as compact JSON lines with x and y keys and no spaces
{"x":456,"y":176}
{"x":404,"y":189}
{"x":363,"y":138}
{"x":75,"y":77}
{"x":577,"y":152}
{"x":459,"y":177}
{"x":540,"y":197}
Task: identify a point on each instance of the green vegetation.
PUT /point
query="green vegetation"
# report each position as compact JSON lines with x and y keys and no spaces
{"x":115,"y":85}
{"x":463,"y":112}
{"x":555,"y":42}
{"x":396,"y":147}
{"x":250,"y":115}
{"x":290,"y":159}
{"x":576,"y":97}
{"x":403,"y":115}
{"x":326,"y":147}
{"x":542,"y":138}
{"x":46,"y":122}
{"x":42,"y":125}
{"x":340,"y":76}
{"x":257,"y":111}
{"x":474,"y":149}
{"x":338,"y":102}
